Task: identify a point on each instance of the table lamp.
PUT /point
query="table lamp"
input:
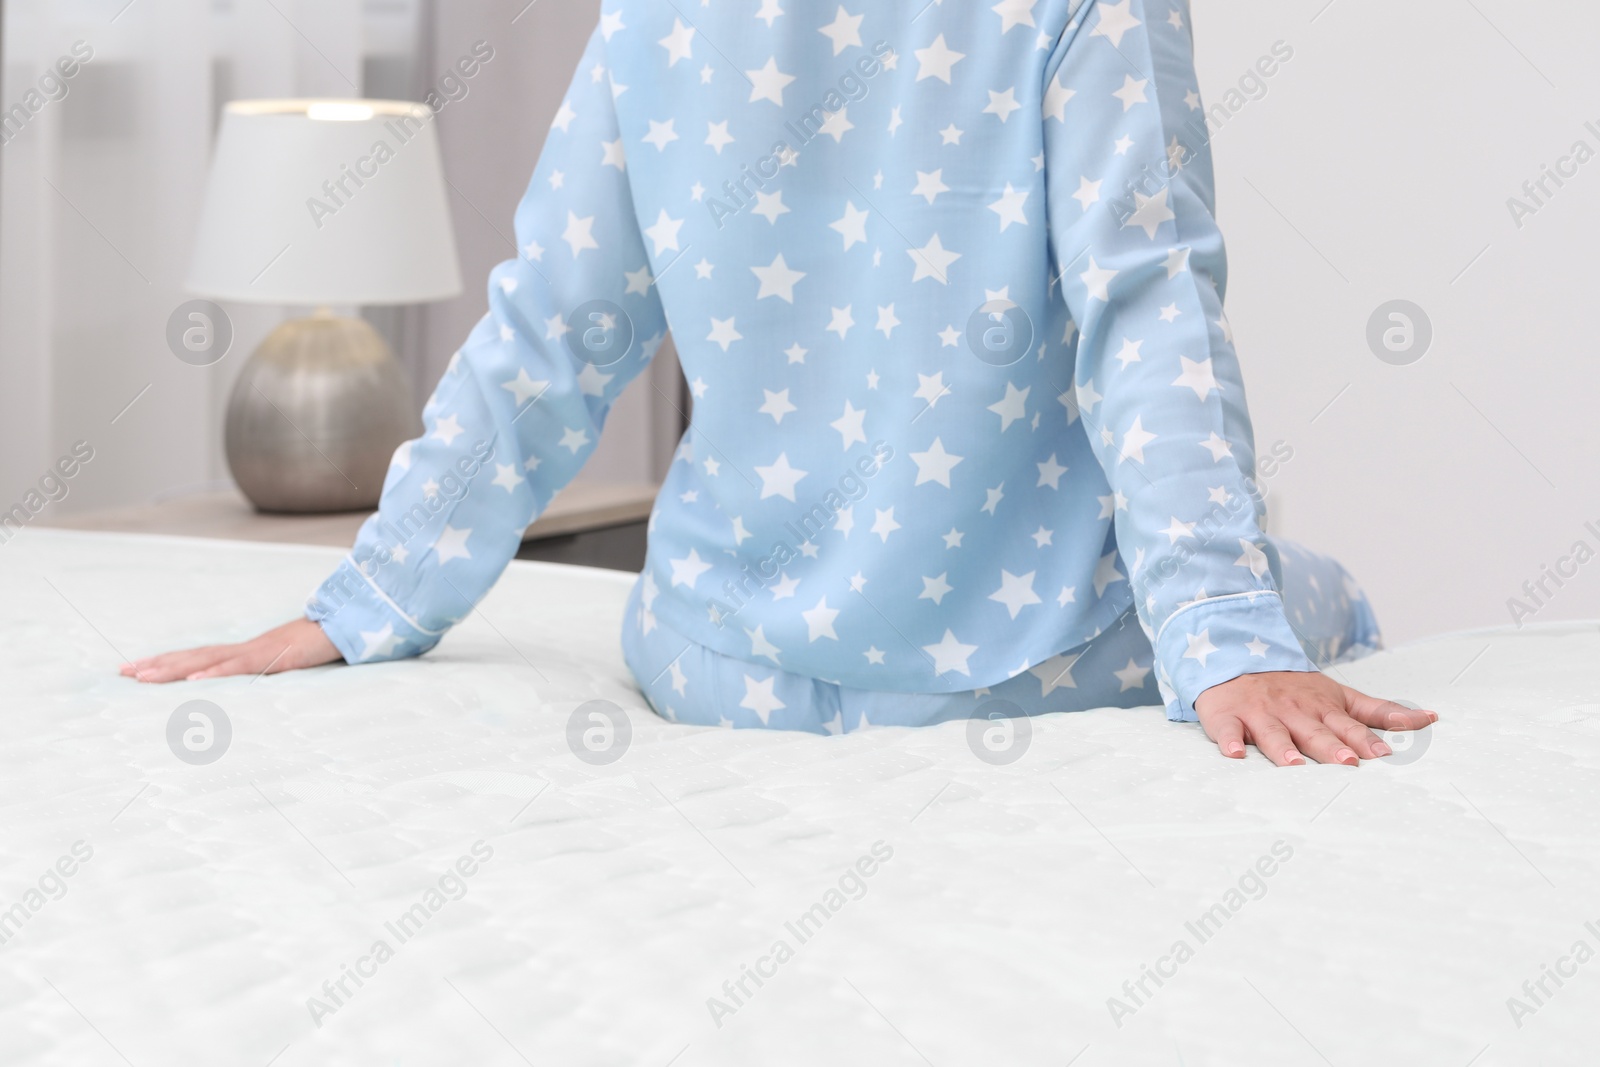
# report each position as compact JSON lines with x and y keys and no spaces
{"x":322,"y":203}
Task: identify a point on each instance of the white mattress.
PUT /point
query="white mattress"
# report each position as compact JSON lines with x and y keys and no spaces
{"x":219,"y":898}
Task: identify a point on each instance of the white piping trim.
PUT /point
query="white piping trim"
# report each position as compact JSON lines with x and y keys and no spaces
{"x":1252,"y":595}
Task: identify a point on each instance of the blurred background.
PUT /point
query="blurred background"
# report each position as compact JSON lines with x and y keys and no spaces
{"x":1378,"y":163}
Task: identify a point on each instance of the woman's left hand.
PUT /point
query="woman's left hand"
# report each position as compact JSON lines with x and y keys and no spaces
{"x":1292,"y":716}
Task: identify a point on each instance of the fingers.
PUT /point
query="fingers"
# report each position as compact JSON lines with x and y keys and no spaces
{"x":1272,"y":737}
{"x":245,"y":664}
{"x":1315,"y":740}
{"x":1367,"y":744}
{"x":1385,"y":714}
{"x":260,"y":656}
{"x":1228,"y":733}
{"x":173,"y":666}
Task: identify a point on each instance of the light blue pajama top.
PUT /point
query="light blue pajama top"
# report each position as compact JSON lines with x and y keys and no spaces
{"x":947,"y":289}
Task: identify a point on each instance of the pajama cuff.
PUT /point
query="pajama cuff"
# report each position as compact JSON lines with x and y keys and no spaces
{"x":1218,"y":639}
{"x":362,"y":622}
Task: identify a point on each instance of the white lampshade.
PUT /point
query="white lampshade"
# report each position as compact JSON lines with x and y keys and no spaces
{"x":326,"y":202}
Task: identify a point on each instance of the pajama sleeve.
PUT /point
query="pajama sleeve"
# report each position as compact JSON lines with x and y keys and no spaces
{"x":1142,"y":268}
{"x":571,"y":321}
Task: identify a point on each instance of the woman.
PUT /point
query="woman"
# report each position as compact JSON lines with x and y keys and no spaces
{"x":968,"y":423}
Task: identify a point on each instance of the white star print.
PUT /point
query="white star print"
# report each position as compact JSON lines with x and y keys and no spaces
{"x":843,"y":31}
{"x":678,"y":43}
{"x":452,"y":544}
{"x":768,"y":83}
{"x":932,"y":261}
{"x":759,"y":698}
{"x":1253,"y":558}
{"x":760,"y":646}
{"x":661,"y":134}
{"x":1151,"y":212}
{"x":819,"y":620}
{"x":1056,"y":98}
{"x":1200,"y":647}
{"x":853,"y":227}
{"x":777,"y":280}
{"x":1014,"y":13}
{"x":524,"y":387}
{"x":687,"y":571}
{"x":937,"y":60}
{"x":930,"y":184}
{"x":935,"y":464}
{"x":1002,"y":104}
{"x":1012,"y":406}
{"x":1015,"y":592}
{"x":718,"y":137}
{"x":1132,"y":92}
{"x":1132,"y":676}
{"x":665,"y":233}
{"x":1115,"y":21}
{"x":1098,"y":280}
{"x":381,"y":642}
{"x":1135,"y":439}
{"x":851,"y":425}
{"x":1009,"y":207}
{"x":1218,"y":447}
{"x":884,"y":523}
{"x":724,"y":333}
{"x":1197,"y":375}
{"x":1056,"y":673}
{"x":780,"y":478}
{"x":950,"y":655}
{"x":447,"y":429}
{"x":580,"y":234}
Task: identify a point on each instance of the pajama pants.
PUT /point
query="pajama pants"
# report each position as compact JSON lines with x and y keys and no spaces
{"x":689,"y":683}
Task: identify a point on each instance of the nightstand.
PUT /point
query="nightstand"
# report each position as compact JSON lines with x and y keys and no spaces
{"x":588,"y":524}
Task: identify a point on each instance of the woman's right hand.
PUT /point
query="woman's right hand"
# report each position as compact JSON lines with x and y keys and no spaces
{"x":290,"y":647}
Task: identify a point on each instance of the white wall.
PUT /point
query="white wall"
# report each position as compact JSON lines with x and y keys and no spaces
{"x":1385,"y":152}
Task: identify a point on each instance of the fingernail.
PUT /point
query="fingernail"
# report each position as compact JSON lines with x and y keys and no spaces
{"x":1293,"y":758}
{"x":1344,"y":755}
{"x":195,"y":676}
{"x":1433,"y":716}
{"x":1381,"y":749}
{"x":1235,"y":748}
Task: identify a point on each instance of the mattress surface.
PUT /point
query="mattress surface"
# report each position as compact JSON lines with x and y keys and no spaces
{"x":408,"y":864}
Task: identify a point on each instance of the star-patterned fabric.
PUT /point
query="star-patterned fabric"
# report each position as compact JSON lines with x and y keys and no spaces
{"x":688,"y":683}
{"x":946,"y":285}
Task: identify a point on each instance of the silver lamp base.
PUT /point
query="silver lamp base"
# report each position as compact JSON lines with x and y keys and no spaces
{"x":315,"y":416}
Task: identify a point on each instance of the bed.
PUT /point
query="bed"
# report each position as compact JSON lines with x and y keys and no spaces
{"x":733,"y":897}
